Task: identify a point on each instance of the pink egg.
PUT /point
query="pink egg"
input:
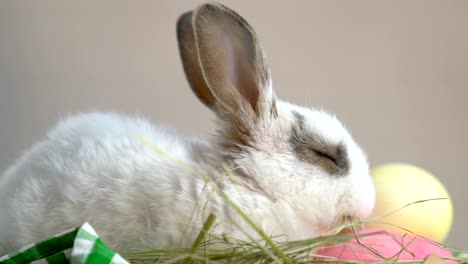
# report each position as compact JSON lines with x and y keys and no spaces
{"x":389,"y":244}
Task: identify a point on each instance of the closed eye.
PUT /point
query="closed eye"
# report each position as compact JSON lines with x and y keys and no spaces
{"x":313,"y":149}
{"x":310,"y":145}
{"x":325,"y":155}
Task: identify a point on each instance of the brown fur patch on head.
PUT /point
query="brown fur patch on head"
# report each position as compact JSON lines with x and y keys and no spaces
{"x":313,"y":149}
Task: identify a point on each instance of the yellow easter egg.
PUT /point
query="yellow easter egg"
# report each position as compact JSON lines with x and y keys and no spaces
{"x":398,"y":185}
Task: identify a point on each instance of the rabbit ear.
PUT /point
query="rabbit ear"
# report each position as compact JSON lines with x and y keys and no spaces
{"x":189,"y":55}
{"x":231,"y":61}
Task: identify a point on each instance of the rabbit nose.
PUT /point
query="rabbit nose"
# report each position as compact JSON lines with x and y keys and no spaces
{"x":364,"y":198}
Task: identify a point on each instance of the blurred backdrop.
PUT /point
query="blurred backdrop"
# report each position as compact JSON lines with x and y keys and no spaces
{"x":396,"y":72}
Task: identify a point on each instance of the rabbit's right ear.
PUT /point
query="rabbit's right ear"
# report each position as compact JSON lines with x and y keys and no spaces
{"x":224,"y":62}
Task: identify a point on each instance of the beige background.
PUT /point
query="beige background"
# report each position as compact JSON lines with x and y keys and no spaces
{"x":396,"y":72}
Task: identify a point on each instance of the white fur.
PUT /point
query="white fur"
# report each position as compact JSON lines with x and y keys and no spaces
{"x":93,"y":168}
{"x":102,"y":168}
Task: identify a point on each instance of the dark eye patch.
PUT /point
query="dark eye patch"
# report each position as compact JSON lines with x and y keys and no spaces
{"x":314,"y":149}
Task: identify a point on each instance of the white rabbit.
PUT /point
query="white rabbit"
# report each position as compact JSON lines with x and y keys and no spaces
{"x":295,"y":171}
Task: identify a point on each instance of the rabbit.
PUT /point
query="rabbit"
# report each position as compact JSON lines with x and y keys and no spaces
{"x":295,"y":171}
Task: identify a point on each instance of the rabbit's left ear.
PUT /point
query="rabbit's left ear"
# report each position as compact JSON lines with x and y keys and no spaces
{"x":190,"y":60}
{"x":232,"y":74}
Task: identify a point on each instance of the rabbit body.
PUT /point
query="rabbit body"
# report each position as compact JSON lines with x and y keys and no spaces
{"x":102,"y":168}
{"x":294,"y":171}
{"x":93,"y":168}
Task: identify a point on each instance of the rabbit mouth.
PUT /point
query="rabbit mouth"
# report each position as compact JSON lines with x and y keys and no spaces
{"x":342,"y":222}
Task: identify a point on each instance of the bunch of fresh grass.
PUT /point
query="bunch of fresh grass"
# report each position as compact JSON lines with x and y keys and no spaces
{"x":212,"y":248}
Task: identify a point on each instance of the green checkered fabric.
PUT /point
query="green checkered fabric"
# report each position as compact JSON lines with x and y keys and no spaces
{"x":80,"y":245}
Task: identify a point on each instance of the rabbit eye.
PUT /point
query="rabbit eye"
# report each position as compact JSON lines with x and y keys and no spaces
{"x":303,"y":143}
{"x":312,"y":148}
{"x":325,"y":155}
